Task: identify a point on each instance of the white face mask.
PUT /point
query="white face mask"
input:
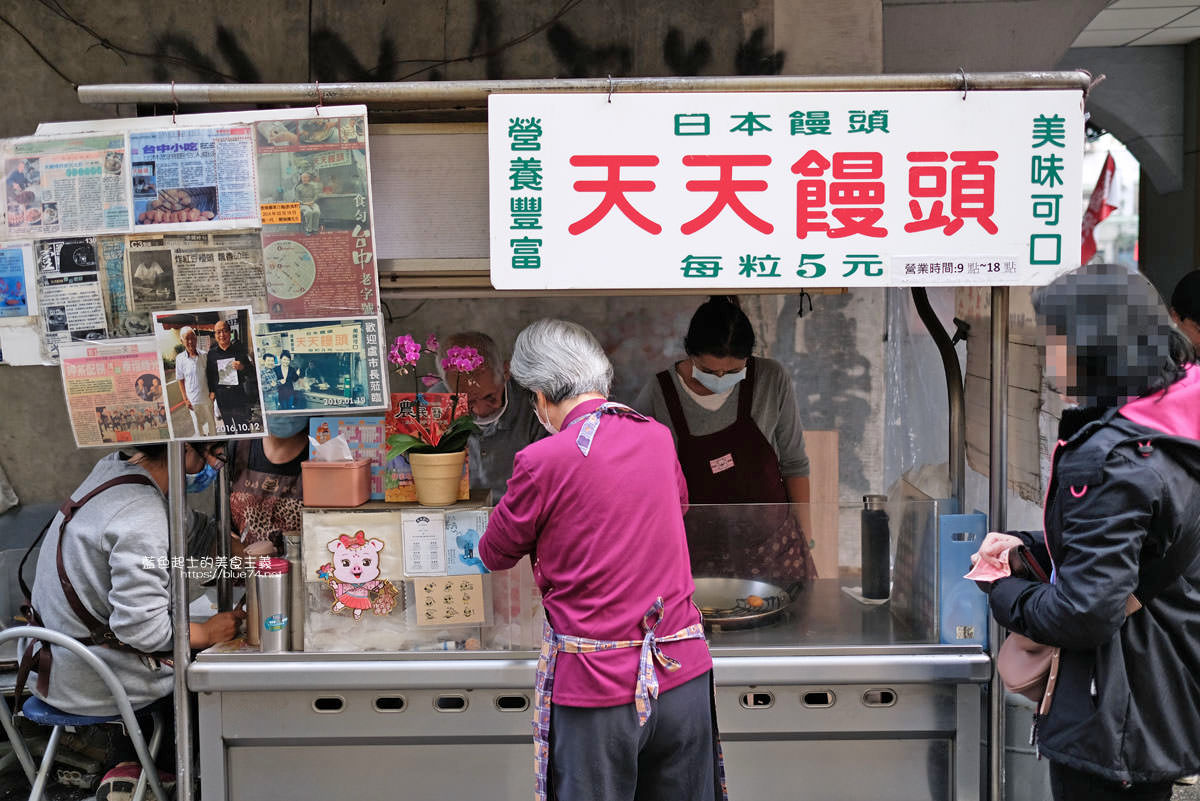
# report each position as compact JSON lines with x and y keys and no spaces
{"x":718,"y":384}
{"x":545,"y":423}
{"x":490,"y":421}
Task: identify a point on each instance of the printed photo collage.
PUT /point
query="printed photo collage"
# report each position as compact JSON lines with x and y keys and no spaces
{"x":191,"y":278}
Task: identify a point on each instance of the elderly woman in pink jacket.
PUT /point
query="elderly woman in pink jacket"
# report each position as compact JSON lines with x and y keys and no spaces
{"x":625,"y":676}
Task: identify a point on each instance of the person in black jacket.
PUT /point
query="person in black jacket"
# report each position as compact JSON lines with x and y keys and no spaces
{"x":1124,"y":492}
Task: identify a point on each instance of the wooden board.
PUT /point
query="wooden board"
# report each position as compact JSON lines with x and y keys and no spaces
{"x":822,"y":447}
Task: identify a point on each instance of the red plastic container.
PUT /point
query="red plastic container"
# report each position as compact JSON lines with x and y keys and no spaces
{"x":338,"y":484}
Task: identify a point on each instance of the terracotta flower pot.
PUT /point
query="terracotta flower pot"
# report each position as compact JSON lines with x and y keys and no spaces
{"x":436,"y":476}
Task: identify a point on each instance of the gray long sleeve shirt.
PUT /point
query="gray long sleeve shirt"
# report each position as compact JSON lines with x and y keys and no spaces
{"x":773,"y":411}
{"x":113,"y":551}
{"x":491,"y":453}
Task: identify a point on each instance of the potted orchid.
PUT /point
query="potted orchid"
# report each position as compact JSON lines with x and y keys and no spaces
{"x":437,"y":450}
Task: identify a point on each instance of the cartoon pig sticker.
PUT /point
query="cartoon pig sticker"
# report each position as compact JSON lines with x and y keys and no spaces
{"x":353,"y":575}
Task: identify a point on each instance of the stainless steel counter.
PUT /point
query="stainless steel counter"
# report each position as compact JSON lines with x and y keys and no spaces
{"x":833,"y":715}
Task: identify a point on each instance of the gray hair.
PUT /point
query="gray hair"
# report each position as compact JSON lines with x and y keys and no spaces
{"x":561,"y":360}
{"x":183,"y":332}
{"x":483,"y":344}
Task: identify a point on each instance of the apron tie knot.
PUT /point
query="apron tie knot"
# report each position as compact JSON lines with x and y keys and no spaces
{"x":647,"y":683}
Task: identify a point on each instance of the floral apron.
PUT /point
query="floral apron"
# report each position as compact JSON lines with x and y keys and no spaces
{"x":647,"y":679}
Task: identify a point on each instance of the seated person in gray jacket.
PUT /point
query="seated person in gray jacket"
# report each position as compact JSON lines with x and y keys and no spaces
{"x":115,"y":551}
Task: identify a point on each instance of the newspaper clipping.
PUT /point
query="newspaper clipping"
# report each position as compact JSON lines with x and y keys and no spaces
{"x":123,"y":321}
{"x":15,"y":270}
{"x":194,"y":178}
{"x":212,"y":380}
{"x":59,"y":187}
{"x":314,"y":190}
{"x":114,"y":392}
{"x":322,"y":365}
{"x":182,"y":271}
{"x":69,"y":293}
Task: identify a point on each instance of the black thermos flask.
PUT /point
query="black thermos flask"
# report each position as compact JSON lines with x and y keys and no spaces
{"x":876,"y":548}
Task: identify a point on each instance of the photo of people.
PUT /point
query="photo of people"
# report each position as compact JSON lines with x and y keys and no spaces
{"x":56,"y":318}
{"x":143,"y":179}
{"x":330,"y":186}
{"x":213,"y":387}
{"x":23,"y":191}
{"x":153,"y":276}
{"x":148,"y":387}
{"x":321,"y":365}
{"x":132,"y":423}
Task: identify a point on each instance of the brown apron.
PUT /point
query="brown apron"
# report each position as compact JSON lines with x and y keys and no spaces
{"x":737,"y":465}
{"x":37,"y":657}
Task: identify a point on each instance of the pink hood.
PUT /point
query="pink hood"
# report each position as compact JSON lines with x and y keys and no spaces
{"x":1177,"y":412}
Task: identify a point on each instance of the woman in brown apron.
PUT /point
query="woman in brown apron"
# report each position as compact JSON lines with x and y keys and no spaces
{"x":718,"y":403}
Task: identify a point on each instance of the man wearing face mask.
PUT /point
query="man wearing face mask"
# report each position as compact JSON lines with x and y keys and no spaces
{"x":501,"y":408}
{"x":738,"y":435}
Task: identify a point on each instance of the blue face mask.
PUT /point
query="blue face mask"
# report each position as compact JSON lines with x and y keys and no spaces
{"x":286,"y":425}
{"x":199,"y":482}
{"x":717,"y":384}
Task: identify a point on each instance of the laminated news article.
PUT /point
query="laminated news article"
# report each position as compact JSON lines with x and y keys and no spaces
{"x":115,"y":391}
{"x":315,"y":198}
{"x":181,"y":271}
{"x":70,"y":296}
{"x":123,"y":321}
{"x":66,"y":186}
{"x":193,"y":178}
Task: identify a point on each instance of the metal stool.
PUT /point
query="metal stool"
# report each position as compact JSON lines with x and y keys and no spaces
{"x":43,"y":714}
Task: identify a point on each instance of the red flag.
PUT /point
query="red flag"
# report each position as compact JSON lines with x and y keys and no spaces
{"x":1099,"y":207}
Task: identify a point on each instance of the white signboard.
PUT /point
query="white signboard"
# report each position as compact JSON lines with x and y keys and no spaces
{"x":761,"y":191}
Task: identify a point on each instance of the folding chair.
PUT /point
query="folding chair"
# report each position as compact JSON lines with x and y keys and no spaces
{"x":41,"y":713}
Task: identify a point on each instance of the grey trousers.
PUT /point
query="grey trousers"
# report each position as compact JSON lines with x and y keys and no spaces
{"x":601,"y":754}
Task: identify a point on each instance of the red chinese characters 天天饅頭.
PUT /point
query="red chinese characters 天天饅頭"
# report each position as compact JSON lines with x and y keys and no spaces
{"x":856,"y":194}
{"x":840,"y":196}
{"x":971,"y":184}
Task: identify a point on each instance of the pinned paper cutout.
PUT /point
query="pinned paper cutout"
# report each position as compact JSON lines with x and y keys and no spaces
{"x":354,"y":576}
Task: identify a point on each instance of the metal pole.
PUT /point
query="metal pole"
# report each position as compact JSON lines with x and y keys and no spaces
{"x":956,"y":404}
{"x":476,"y":92}
{"x":224,"y":577}
{"x":179,"y":616}
{"x":998,"y":521}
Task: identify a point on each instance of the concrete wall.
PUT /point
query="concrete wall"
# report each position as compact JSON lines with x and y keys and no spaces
{"x":944,"y":35}
{"x":1169,"y":232}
